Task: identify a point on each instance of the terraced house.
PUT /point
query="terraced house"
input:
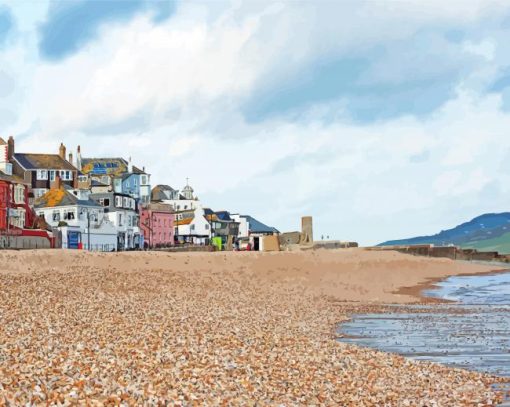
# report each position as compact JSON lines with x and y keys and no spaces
{"x":40,"y":170}
{"x":122,"y":212}
{"x":120,"y":175}
{"x":14,"y":209}
{"x":81,"y":222}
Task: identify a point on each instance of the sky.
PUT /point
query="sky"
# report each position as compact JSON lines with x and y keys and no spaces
{"x":381,"y":119}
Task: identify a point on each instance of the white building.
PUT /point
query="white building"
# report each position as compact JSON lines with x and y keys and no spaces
{"x":252,"y":231}
{"x":191,"y":226}
{"x":122,"y":212}
{"x":82,"y":223}
{"x":180,"y":201}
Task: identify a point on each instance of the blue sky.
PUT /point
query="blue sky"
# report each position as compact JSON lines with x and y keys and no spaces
{"x":382,"y":120}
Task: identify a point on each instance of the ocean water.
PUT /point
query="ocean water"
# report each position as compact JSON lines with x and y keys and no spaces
{"x":473,"y":333}
{"x":485,"y":289}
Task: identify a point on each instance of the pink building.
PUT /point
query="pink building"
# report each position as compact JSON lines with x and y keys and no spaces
{"x":157,"y":225}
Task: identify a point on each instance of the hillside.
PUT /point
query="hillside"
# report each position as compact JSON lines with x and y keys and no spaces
{"x":486,"y":232}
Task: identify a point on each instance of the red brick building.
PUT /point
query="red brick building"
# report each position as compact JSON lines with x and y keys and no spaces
{"x":15,"y":212}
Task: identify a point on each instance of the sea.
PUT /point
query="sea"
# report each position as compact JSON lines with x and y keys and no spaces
{"x":471,"y":333}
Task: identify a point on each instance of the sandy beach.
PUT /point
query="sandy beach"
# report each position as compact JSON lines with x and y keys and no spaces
{"x":214,"y":329}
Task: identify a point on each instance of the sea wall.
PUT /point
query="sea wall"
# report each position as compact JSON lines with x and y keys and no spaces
{"x":450,"y":252}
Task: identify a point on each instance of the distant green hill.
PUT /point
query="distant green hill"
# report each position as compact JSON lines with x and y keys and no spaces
{"x":489,"y":232}
{"x":499,"y":244}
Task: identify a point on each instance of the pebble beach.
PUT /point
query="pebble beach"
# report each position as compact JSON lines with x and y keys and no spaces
{"x":152,"y":328}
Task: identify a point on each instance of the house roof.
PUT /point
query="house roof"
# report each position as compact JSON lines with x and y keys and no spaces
{"x":43,"y":161}
{"x":158,"y":192}
{"x":2,"y":142}
{"x":185,"y":221}
{"x":256,"y":226}
{"x":96,"y":183}
{"x":209,"y":214}
{"x":223,"y":215}
{"x":115,"y":166}
{"x":60,"y":197}
{"x":158,"y":207}
{"x":104,"y":166}
{"x":137,"y":170}
{"x":12,"y":178}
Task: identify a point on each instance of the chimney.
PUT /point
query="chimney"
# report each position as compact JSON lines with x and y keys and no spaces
{"x":62,"y":151}
{"x":70,"y":158}
{"x":10,"y":148}
{"x":78,"y":158}
{"x":57,"y":182}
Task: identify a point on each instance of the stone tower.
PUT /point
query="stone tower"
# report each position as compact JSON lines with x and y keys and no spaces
{"x":306,"y":230}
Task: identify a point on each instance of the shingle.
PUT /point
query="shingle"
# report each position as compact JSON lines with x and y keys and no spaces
{"x":104,"y":166}
{"x":43,"y":161}
{"x":12,"y":178}
{"x":61,"y":197}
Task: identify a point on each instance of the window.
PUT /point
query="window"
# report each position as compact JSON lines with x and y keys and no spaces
{"x":82,"y":178}
{"x":207,"y":227}
{"x":52,"y":175}
{"x":42,"y":175}
{"x":65,"y":175}
{"x":118,"y":201}
{"x":55,"y":216}
{"x":19,"y":194}
{"x":126,"y":202}
{"x":144,"y":180}
{"x":69,"y":214}
{"x":120,"y":219}
{"x":192,"y":227}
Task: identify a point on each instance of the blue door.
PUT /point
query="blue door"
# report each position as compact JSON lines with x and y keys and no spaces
{"x":73,"y":240}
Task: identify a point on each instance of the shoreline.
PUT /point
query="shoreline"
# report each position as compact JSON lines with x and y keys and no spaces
{"x":211,"y":327}
{"x":418,"y":290}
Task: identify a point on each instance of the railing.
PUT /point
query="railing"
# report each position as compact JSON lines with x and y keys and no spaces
{"x":23,"y":242}
{"x":93,"y":247}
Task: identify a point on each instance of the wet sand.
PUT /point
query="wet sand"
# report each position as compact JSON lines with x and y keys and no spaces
{"x":202,"y":328}
{"x":471,"y":330}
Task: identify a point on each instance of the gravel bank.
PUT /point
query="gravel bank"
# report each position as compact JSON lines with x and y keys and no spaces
{"x":233,"y":329}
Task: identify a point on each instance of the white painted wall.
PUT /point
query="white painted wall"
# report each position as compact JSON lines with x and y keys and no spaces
{"x":102,"y":231}
{"x":103,"y":238}
{"x":183,"y":204}
{"x":199,"y":225}
{"x":126,"y":222}
{"x":243,"y":225}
